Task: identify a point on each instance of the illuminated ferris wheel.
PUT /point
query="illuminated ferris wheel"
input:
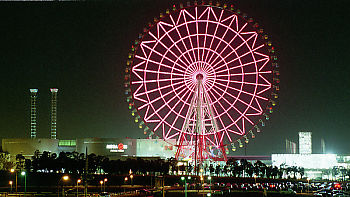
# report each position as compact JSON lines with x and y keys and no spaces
{"x":202,"y":77}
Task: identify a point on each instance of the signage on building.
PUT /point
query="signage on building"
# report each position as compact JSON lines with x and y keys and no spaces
{"x":117,"y":148}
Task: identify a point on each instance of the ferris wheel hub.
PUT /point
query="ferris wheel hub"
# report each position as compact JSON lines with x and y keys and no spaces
{"x":199,"y":76}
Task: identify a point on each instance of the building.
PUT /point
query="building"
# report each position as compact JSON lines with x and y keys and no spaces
{"x":54,"y":113}
{"x":33,"y":115}
{"x":114,"y":148}
{"x":316,"y":166}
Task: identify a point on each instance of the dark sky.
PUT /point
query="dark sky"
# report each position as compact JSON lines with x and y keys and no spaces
{"x":81,"y":48}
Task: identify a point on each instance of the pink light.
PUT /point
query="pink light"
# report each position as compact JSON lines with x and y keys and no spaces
{"x":213,"y":42}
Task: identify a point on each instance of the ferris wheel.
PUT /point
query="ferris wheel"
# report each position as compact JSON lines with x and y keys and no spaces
{"x":203,"y":78}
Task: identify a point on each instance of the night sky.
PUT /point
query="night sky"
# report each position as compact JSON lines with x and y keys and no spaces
{"x":81,"y":49}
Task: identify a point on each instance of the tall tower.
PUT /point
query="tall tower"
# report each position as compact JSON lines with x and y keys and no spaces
{"x":33,"y":97}
{"x":53,"y":112}
{"x":305,"y":144}
{"x":323,"y":146}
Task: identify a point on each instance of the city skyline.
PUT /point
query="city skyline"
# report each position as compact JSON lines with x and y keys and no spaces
{"x":82,"y":49}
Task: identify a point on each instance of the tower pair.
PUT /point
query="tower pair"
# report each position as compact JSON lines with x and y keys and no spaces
{"x":33,"y":112}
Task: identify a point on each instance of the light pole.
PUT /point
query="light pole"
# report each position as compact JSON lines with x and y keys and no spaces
{"x":11,"y":182}
{"x":78,"y":181}
{"x":104,"y":184}
{"x":255,"y":178}
{"x":64,"y":178}
{"x":14,"y":171}
{"x":209,"y":178}
{"x":308,"y":185}
{"x":101,"y":182}
{"x":131,"y":177}
{"x":184,"y":179}
{"x":23,"y":173}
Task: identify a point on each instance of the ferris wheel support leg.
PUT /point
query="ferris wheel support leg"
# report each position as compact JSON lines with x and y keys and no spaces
{"x":179,"y":146}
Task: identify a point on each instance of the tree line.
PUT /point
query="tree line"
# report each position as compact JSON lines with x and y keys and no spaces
{"x":76,"y":163}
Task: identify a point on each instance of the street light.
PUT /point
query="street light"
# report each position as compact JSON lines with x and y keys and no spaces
{"x":64,"y":178}
{"x":104,"y":184}
{"x":209,"y":178}
{"x":131,"y":177}
{"x":11,"y":182}
{"x":78,"y":181}
{"x":23,"y":173}
{"x":255,"y":178}
{"x":184,"y":179}
{"x":14,"y":171}
{"x":101,"y":182}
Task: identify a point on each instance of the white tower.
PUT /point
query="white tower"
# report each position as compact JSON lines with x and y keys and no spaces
{"x":53,"y":112}
{"x":305,"y":144}
{"x":323,"y":146}
{"x":33,"y":97}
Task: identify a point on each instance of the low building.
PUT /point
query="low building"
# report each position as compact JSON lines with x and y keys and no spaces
{"x":27,"y":146}
{"x":114,"y":148}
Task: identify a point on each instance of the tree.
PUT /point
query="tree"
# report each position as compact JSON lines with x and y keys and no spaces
{"x":5,"y":163}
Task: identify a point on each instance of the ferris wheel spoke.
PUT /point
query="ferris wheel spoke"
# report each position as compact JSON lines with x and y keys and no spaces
{"x":158,"y":72}
{"x":220,"y":41}
{"x":232,"y":106}
{"x":173,"y":111}
{"x":164,"y":55}
{"x":147,"y":92}
{"x":188,"y":31}
{"x":179,"y":34}
{"x":244,"y":82}
{"x":248,"y":93}
{"x":241,"y":101}
{"x":239,"y":58}
{"x":197,"y":32}
{"x":214,"y":35}
{"x":216,"y":111}
{"x":244,"y":43}
{"x":242,"y":65}
{"x":177,"y":47}
{"x":156,"y":80}
{"x":205,"y":34}
{"x":166,"y":103}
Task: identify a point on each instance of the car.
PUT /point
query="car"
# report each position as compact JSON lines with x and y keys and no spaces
{"x":288,"y":192}
{"x":104,"y":194}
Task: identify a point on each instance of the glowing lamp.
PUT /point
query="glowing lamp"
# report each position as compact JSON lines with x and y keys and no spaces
{"x":182,"y":178}
{"x":65,"y":178}
{"x":23,"y":173}
{"x":240,"y":143}
{"x":246,"y":140}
